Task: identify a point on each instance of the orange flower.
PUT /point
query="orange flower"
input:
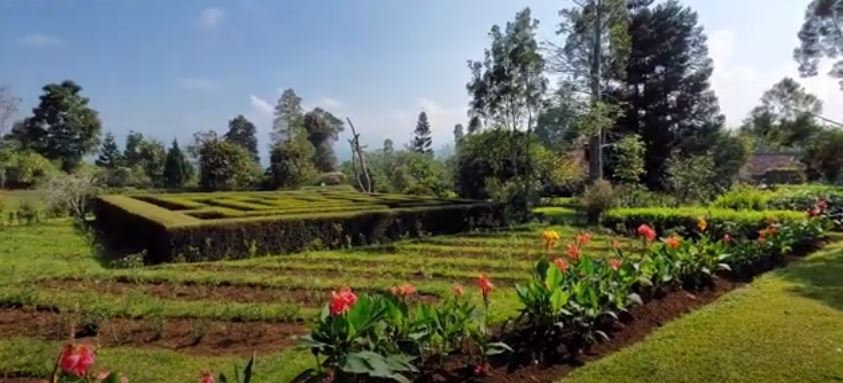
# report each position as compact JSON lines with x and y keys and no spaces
{"x":341,"y":302}
{"x":647,"y":232}
{"x":573,"y":251}
{"x":485,"y":285}
{"x":561,"y":265}
{"x":673,"y":241}
{"x":77,"y":359}
{"x":403,"y":291}
{"x":701,"y":224}
{"x":458,"y":290}
{"x":207,"y":377}
{"x":615,"y":264}
{"x":583,"y":238}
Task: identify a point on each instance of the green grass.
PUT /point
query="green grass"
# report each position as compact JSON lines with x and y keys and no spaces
{"x":787,"y":326}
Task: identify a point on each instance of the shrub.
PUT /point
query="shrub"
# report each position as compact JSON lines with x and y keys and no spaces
{"x":72,"y":193}
{"x":744,"y":197}
{"x":226,"y":166}
{"x":691,"y":178}
{"x":684,"y":220}
{"x":628,"y":159}
{"x":636,"y":195}
{"x":785,"y":175}
{"x":25,"y":169}
{"x":598,"y":197}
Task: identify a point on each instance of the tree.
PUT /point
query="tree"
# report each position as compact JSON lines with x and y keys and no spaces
{"x":323,"y":129}
{"x":226,"y":166}
{"x":595,"y":49}
{"x":242,"y":132}
{"x":665,"y":94}
{"x":62,"y":127}
{"x":177,"y":171}
{"x":822,"y":156}
{"x":628,"y":159}
{"x":110,"y":156}
{"x":474,"y":125}
{"x":558,"y":125}
{"x":422,"y":142}
{"x":288,"y":117}
{"x":132,"y":152}
{"x":785,"y":117}
{"x":689,"y":177}
{"x":459,"y":133}
{"x":291,"y":163}
{"x":388,"y":146}
{"x":73,"y":193}
{"x":821,"y":36}
{"x":729,"y":155}
{"x":8,"y":107}
{"x":153,"y":156}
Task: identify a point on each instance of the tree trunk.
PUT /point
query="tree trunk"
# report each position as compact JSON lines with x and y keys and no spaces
{"x":595,"y":145}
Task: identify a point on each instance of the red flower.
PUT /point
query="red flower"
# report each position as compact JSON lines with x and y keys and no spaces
{"x":573,"y":251}
{"x":673,"y":241}
{"x":481,"y":369}
{"x":485,"y":285}
{"x":403,"y":291}
{"x":458,"y":290}
{"x":206,"y":377}
{"x":646,"y":232}
{"x":583,"y":238}
{"x":615,"y":264}
{"x":822,"y":204}
{"x":341,"y":302}
{"x":814,"y":212}
{"x":76,"y":359}
{"x":561,"y":264}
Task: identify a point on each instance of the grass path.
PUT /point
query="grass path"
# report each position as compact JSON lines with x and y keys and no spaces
{"x":786,"y":326}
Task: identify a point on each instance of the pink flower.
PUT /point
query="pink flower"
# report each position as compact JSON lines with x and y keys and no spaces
{"x":573,"y":251}
{"x":647,"y":232}
{"x":485,"y":285}
{"x":481,"y":369}
{"x":615,"y":264}
{"x":207,"y":377}
{"x":341,"y":302}
{"x":403,"y":291}
{"x":76,"y":359}
{"x":814,"y":212}
{"x":458,"y":290}
{"x":561,"y":265}
{"x":727,"y":238}
{"x":822,"y":204}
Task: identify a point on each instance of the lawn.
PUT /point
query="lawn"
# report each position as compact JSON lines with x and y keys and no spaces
{"x":52,"y":267}
{"x":786,"y":326}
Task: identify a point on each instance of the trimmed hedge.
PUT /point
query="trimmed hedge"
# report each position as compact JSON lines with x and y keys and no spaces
{"x":167,"y":235}
{"x":684,"y":220}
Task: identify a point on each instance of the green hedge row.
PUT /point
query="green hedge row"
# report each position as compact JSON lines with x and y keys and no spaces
{"x":168,"y":235}
{"x":684,"y":220}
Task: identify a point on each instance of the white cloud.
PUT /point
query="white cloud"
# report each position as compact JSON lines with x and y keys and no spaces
{"x":210,"y":18}
{"x":40,"y":40}
{"x":739,"y":86}
{"x":331,"y":103}
{"x":260,"y":107}
{"x":198,"y":84}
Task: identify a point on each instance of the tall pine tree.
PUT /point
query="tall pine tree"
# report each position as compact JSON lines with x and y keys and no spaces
{"x":242,"y":132}
{"x":110,"y":156}
{"x":289,"y":117}
{"x":666,"y":95}
{"x":422,"y":142}
{"x":177,"y":171}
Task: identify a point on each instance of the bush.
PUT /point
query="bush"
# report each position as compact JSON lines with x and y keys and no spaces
{"x":786,"y":175}
{"x":226,"y":166}
{"x":691,"y":179}
{"x":744,"y":197}
{"x":684,"y":220}
{"x":290,"y":163}
{"x":598,"y":197}
{"x":636,"y":195}
{"x":25,"y":169}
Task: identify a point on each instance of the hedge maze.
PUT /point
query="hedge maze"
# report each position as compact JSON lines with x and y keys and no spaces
{"x":205,"y":226}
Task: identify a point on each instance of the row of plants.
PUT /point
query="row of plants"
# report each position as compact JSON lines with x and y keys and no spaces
{"x":798,"y":198}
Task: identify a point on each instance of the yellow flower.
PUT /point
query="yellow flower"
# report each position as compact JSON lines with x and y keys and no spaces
{"x":550,"y":239}
{"x":702,"y":224}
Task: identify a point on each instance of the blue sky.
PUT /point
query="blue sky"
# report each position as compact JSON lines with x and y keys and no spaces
{"x":170,"y":68}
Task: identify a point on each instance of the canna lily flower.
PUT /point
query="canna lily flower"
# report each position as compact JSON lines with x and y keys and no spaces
{"x":815,"y":211}
{"x":822,"y":204}
{"x":702,"y":224}
{"x":673,"y":241}
{"x":573,"y":251}
{"x":561,"y":265}
{"x":76,"y":359}
{"x":458,"y":290}
{"x":583,"y":238}
{"x":485,"y":285}
{"x":341,"y":302}
{"x":647,"y":232}
{"x":403,"y":291}
{"x":207,"y":377}
{"x":550,"y":238}
{"x":615,"y":264}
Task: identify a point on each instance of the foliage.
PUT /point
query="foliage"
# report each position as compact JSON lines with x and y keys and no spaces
{"x":289,"y":117}
{"x":784,"y":175}
{"x":405,"y":172}
{"x":110,"y":156}
{"x":822,"y":156}
{"x":242,"y":132}
{"x":785,"y":117}
{"x":291,"y":163}
{"x":730,"y":154}
{"x":556,"y":126}
{"x":637,"y":195}
{"x":24,"y":169}
{"x":821,"y":36}
{"x":62,"y":127}
{"x":422,"y":142}
{"x":668,"y":56}
{"x":8,"y":107}
{"x":322,"y":129}
{"x":226,"y":166}
{"x":177,"y":171}
{"x":72,"y":193}
{"x":598,"y":197}
{"x":628,"y":159}
{"x":486,"y":157}
{"x":690,"y":178}
{"x":744,"y":197}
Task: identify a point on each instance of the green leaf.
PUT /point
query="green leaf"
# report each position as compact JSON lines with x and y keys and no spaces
{"x":558,"y":300}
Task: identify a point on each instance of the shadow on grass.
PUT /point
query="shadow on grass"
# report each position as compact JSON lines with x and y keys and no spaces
{"x":820,"y":277}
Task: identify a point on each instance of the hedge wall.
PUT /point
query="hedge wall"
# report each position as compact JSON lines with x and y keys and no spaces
{"x":684,"y":220}
{"x":168,"y":235}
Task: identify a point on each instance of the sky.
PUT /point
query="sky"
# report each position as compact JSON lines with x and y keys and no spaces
{"x":170,"y":68}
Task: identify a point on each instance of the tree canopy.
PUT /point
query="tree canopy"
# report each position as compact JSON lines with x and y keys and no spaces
{"x":242,"y":132}
{"x":422,"y":142}
{"x":288,"y":116}
{"x":821,"y":37}
{"x":323,"y":129}
{"x":786,"y":116}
